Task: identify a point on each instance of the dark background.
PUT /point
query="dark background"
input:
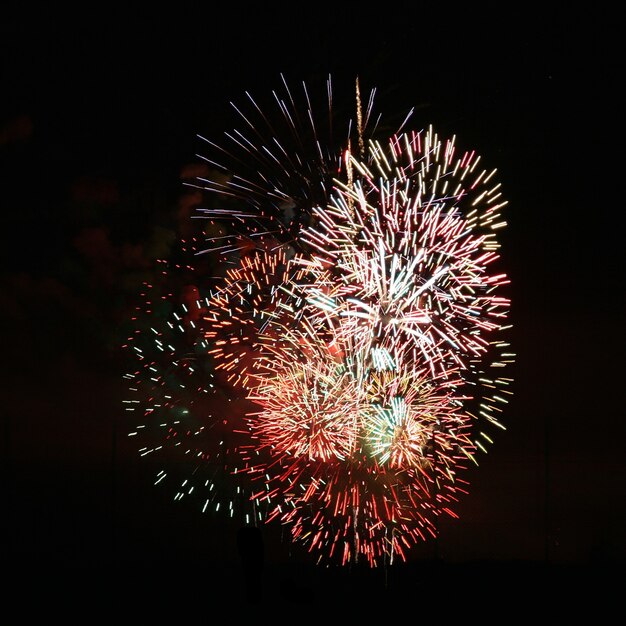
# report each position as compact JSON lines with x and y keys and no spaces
{"x":99,"y":115}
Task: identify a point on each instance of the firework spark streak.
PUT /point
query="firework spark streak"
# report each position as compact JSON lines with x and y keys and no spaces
{"x":358,"y":321}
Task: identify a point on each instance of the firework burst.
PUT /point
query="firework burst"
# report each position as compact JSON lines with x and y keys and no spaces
{"x":360,"y":317}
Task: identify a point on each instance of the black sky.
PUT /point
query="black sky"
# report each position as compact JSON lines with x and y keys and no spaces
{"x":99,"y":115}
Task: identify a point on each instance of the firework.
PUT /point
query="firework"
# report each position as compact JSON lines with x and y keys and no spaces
{"x":182,"y":414}
{"x":361,"y":320}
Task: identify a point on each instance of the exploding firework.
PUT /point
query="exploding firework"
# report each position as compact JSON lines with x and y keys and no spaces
{"x":360,"y":322}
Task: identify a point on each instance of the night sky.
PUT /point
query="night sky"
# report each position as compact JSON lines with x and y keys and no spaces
{"x":98,"y":119}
